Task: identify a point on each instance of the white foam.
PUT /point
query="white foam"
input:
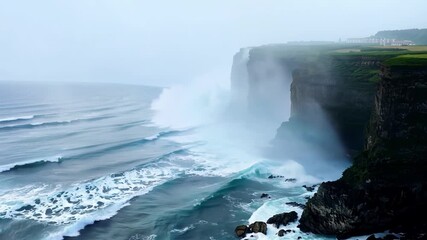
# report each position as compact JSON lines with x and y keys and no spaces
{"x":7,"y":167}
{"x":73,"y":229}
{"x":183,"y":230}
{"x":142,"y":237}
{"x":9,"y":119}
{"x":217,"y":164}
{"x":276,"y":206}
{"x":153,"y":137}
{"x":54,"y":122}
{"x":80,"y":202}
{"x":197,"y":103}
{"x":87,"y":117}
{"x":291,"y":169}
{"x":84,"y":203}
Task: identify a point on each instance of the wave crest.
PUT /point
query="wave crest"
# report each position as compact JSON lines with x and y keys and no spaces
{"x":28,"y":163}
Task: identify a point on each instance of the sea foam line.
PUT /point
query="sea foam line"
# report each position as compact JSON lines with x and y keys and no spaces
{"x":11,"y":119}
{"x":84,"y":199}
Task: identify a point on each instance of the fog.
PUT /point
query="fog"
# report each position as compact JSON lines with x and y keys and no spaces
{"x":167,"y":42}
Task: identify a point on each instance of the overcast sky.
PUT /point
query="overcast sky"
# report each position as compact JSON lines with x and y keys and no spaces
{"x":164,"y":42}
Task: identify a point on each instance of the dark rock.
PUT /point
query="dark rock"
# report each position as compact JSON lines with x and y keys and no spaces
{"x":281,"y":233}
{"x":299,"y":237}
{"x":275,"y":176}
{"x":265,"y":195}
{"x":386,"y":237}
{"x":241,"y":230}
{"x":310,"y":189}
{"x":389,"y":237}
{"x":386,"y":187}
{"x":290,"y":180}
{"x":283,"y":218}
{"x":48,"y":211}
{"x":25,"y":208}
{"x":348,"y":211}
{"x":257,"y":227}
{"x":295,"y":204}
{"x":372,"y":237}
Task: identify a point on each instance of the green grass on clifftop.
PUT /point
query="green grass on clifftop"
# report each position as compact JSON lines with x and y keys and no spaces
{"x":408,"y":60}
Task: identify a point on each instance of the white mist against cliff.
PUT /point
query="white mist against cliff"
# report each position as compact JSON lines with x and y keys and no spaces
{"x":245,"y":117}
{"x":196,"y":103}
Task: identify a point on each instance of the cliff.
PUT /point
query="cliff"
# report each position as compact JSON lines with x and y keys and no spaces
{"x":298,"y":82}
{"x":373,"y":101}
{"x":343,"y":87}
{"x":385,"y":189}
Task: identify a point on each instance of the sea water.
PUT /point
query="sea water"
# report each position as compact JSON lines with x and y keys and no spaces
{"x":111,"y":161}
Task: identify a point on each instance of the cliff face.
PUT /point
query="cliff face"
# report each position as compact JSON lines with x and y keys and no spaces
{"x":386,"y":186}
{"x":266,"y":80}
{"x":341,"y":88}
{"x":376,"y":102}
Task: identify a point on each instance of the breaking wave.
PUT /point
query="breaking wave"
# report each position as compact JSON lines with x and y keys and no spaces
{"x":28,"y":163}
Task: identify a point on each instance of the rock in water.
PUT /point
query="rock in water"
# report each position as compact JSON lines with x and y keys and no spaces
{"x":372,"y":237}
{"x":290,"y":180}
{"x":387,"y":237}
{"x":265,"y":195}
{"x":283,"y":218}
{"x":275,"y":176}
{"x":295,"y":204}
{"x":258,"y":227}
{"x":308,"y":188}
{"x":281,"y":233}
{"x":241,"y":230}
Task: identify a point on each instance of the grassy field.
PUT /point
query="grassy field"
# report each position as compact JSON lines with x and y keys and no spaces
{"x":408,"y":60}
{"x":345,"y":58}
{"x":415,"y":48}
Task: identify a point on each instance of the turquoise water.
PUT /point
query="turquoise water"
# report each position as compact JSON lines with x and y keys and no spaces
{"x":96,"y":161}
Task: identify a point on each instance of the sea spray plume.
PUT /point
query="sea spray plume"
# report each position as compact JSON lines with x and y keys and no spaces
{"x":269,"y":89}
{"x":197,"y":103}
{"x":264,"y":75}
{"x":205,"y":104}
{"x":239,"y":82}
{"x":260,"y":91}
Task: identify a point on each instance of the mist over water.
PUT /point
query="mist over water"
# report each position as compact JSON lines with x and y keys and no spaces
{"x":132,"y":145}
{"x":236,"y":123}
{"x":242,"y":116}
{"x":85,"y":156}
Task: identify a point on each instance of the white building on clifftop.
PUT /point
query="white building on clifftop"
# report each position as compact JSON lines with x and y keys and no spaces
{"x":380,"y":41}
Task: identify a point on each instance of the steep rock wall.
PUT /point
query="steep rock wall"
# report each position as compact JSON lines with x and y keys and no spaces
{"x":266,"y":80}
{"x":386,"y":188}
{"x":341,"y":88}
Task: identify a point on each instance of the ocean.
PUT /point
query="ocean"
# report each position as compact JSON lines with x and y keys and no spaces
{"x":114,"y":161}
